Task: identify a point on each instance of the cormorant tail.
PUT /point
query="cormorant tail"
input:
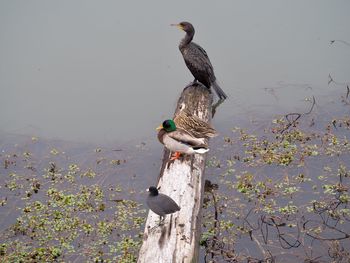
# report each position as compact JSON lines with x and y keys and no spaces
{"x":219,"y":91}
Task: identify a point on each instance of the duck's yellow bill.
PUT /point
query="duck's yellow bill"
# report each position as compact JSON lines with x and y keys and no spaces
{"x":159,"y":128}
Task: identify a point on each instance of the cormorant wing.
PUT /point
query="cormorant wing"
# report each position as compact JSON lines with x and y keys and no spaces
{"x":198,"y":61}
{"x":201,"y":50}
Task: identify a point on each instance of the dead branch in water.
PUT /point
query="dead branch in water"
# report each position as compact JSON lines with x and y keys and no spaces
{"x":293,"y":122}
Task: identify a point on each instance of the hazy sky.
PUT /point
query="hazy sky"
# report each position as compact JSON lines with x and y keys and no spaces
{"x":111,"y":70}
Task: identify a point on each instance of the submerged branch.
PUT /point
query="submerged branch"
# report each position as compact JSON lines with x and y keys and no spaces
{"x":293,"y":122}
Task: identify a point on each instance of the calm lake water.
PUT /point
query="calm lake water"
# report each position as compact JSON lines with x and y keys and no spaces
{"x":112,"y":71}
{"x":85,"y":75}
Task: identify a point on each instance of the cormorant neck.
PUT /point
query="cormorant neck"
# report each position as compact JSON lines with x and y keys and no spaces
{"x":187,"y":39}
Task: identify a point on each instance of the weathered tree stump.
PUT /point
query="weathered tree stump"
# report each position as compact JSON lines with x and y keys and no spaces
{"x":177,"y":240}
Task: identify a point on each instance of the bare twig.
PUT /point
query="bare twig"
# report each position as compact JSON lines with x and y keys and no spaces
{"x":293,"y":122}
{"x":331,"y":80}
{"x":341,"y":41}
{"x":345,"y":235}
{"x":259,"y":245}
{"x":312,"y":106}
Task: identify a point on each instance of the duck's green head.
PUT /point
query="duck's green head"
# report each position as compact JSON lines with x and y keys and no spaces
{"x":168,"y":126}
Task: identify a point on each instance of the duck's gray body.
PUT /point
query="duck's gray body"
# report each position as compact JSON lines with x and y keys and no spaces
{"x":181,"y":141}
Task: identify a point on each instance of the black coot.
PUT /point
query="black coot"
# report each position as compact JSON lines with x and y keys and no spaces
{"x":161,"y":204}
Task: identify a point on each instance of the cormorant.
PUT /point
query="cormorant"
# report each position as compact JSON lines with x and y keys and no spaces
{"x":197,"y":60}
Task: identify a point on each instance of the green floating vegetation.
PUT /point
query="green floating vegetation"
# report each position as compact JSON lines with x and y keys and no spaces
{"x":66,"y":214}
{"x":279,"y":190}
{"x":280,"y":194}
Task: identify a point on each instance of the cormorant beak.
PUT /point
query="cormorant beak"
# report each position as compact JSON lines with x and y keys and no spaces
{"x":159,"y":128}
{"x":178,"y":26}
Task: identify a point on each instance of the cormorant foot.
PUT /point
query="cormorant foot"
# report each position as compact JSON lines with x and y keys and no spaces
{"x":189,"y":85}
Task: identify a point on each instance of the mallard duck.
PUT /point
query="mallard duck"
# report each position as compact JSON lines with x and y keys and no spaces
{"x":193,"y":125}
{"x":161,"y":204}
{"x":180,"y":141}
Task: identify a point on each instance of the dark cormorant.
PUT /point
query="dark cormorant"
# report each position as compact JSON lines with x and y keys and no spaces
{"x":197,"y":60}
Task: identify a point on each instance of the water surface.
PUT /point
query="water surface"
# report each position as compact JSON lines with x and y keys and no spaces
{"x":111,"y":71}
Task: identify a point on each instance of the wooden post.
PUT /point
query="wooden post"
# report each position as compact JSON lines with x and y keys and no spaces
{"x":178,"y":239}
